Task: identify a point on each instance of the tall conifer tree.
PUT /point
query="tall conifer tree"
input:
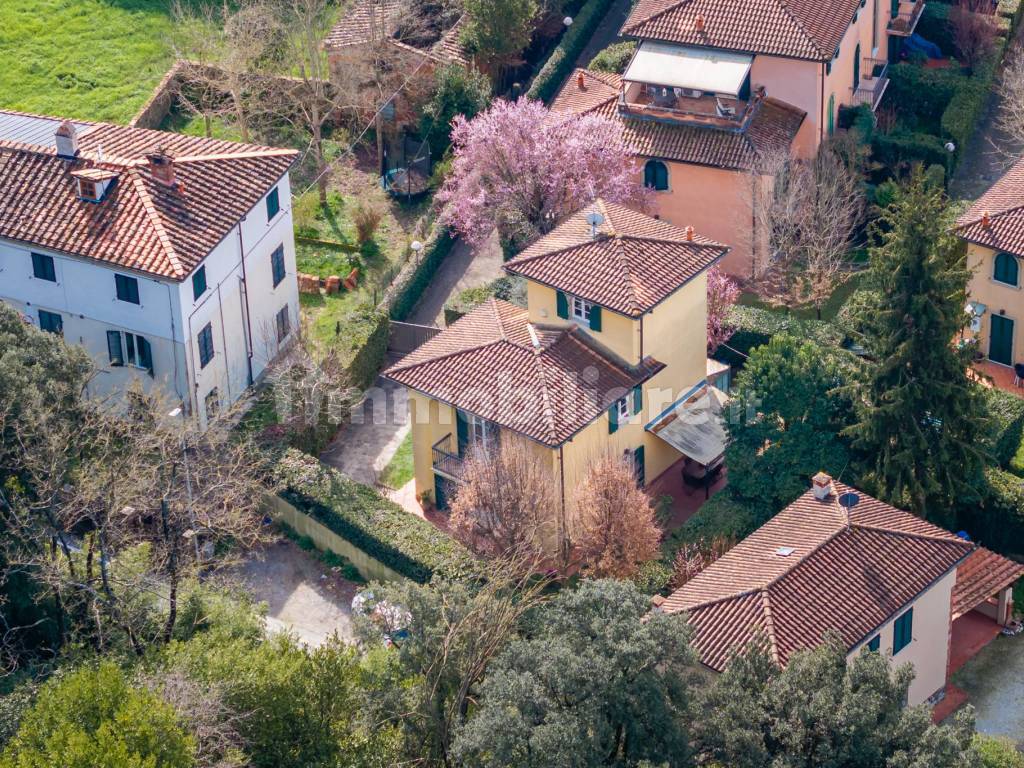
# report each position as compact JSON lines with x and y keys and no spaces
{"x":920,"y":423}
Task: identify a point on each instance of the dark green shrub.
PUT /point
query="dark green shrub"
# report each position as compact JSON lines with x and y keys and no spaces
{"x":967,"y":107}
{"x":409,"y":292}
{"x":458,"y":91}
{"x":755,"y":326}
{"x":376,"y":525}
{"x":903,"y":148}
{"x":723,"y":516}
{"x":934,"y":26}
{"x":998,"y":522}
{"x":652,"y":577}
{"x":1007,"y":414}
{"x":366,"y":332}
{"x":560,"y":63}
{"x":614,"y":58}
{"x":922,"y":93}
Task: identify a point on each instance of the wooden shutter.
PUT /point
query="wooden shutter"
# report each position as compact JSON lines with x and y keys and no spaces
{"x":114,"y":348}
{"x":145,"y":354}
{"x":638,"y":398}
{"x":639,"y":467}
{"x":613,"y":418}
{"x":595,"y":318}
{"x":562,"y":305}
{"x":461,"y":431}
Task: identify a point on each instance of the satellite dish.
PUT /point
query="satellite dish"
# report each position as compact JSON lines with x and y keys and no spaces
{"x":595,"y":220}
{"x":848,"y":500}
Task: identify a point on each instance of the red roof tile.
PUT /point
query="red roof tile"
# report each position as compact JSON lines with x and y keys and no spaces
{"x":486,"y":363}
{"x":849,"y":571}
{"x":772,"y":127}
{"x":635,"y":261}
{"x":141,"y":223}
{"x":362,"y":22}
{"x":803,"y":29}
{"x":1004,"y":204}
{"x":981,"y":575}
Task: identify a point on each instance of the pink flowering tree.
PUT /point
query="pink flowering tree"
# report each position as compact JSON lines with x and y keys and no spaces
{"x":521,"y":168}
{"x":722,"y":294}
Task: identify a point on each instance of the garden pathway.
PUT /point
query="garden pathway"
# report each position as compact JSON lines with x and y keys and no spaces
{"x":989,"y":152}
{"x":464,"y":267}
{"x":607,"y":31}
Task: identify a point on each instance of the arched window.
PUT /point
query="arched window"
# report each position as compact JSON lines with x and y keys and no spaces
{"x":656,"y":175}
{"x":1006,"y":269}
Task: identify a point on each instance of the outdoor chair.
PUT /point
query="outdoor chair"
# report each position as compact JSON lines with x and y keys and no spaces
{"x":1018,"y":374}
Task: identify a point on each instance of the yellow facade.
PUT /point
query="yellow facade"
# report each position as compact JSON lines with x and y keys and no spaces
{"x":674,"y":333}
{"x":1000,"y":300}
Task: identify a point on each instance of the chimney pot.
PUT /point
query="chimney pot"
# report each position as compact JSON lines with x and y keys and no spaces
{"x":581,"y":81}
{"x":700,"y":23}
{"x":821,"y":483}
{"x":986,"y":220}
{"x":161,"y":166}
{"x":689,"y":233}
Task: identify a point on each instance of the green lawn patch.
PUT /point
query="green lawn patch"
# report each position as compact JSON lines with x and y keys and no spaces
{"x":399,"y":470}
{"x":90,"y":59}
{"x":829,"y":309}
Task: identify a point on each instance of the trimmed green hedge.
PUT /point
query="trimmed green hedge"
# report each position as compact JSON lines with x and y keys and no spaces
{"x":755,"y":326}
{"x":562,"y":60}
{"x":366,"y":332}
{"x":613,"y":59}
{"x":435,"y":251}
{"x":998,"y":523}
{"x":922,"y":92}
{"x":1007,"y":414}
{"x":379,"y":527}
{"x":894,"y":149}
{"x":967,"y":107}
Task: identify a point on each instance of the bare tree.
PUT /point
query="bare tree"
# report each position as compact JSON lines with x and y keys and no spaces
{"x":507,"y":502}
{"x":221,"y":50}
{"x":805,"y":214}
{"x":974,"y":30}
{"x":618,"y":531}
{"x":1010,"y":115}
{"x":694,"y":557}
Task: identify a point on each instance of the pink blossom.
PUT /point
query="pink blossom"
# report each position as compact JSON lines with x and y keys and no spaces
{"x":522,"y":168}
{"x":722,"y":294}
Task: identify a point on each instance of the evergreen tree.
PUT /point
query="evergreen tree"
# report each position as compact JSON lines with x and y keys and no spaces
{"x":920,"y":425}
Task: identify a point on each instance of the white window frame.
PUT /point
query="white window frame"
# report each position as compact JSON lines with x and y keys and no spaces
{"x":623,"y":408}
{"x":478,"y":430}
{"x":579,"y":309}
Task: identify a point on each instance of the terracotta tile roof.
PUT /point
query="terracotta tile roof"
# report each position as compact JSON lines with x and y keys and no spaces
{"x":140,"y":224}
{"x":803,"y":29}
{"x":363,"y":20}
{"x":981,"y":575}
{"x":849,"y":571}
{"x":635,"y":262}
{"x":772,"y":128}
{"x":486,"y":364}
{"x":1004,"y":203}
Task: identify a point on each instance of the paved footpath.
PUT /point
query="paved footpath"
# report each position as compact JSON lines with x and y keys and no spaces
{"x":990,"y":151}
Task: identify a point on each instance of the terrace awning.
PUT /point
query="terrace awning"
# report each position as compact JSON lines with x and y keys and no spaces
{"x":677,"y":66}
{"x":695,"y":427}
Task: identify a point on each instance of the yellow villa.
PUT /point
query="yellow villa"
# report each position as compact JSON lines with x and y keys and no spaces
{"x":717,"y":89}
{"x":609,"y":357}
{"x":994,"y":230}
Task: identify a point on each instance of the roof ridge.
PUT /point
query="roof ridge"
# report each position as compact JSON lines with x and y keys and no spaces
{"x":154,"y":216}
{"x":525,"y":259}
{"x":482,"y":345}
{"x":997,"y":214}
{"x":670,"y":7}
{"x":807,"y":35}
{"x":265,"y":152}
{"x":769,"y":623}
{"x":717,"y":600}
{"x":631,"y":281}
{"x":913,"y":535}
{"x":546,"y":409}
{"x":493,"y":303}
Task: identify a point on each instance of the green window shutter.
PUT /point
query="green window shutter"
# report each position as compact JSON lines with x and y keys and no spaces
{"x":562,"y":305}
{"x":831,"y":114}
{"x":894,"y":9}
{"x":903,"y":631}
{"x":638,"y":398}
{"x":874,"y":643}
{"x":461,"y":430}
{"x":145,"y":354}
{"x":639,"y":467}
{"x":114,"y":348}
{"x":595,"y":318}
{"x":1006,"y":269}
{"x":613,"y":419}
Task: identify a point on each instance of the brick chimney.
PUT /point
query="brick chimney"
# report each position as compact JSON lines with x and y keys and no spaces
{"x":161,"y":166}
{"x":699,"y":23}
{"x":66,"y":140}
{"x":986,"y":220}
{"x":821,"y":484}
{"x":689,"y":233}
{"x":581,"y":81}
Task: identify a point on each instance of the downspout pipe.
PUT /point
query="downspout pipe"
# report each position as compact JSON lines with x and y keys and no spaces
{"x":245,"y":301}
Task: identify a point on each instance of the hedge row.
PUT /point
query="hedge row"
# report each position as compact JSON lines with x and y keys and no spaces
{"x":755,"y":326}
{"x":967,"y":107}
{"x":998,"y":523}
{"x":379,"y":527}
{"x":1007,"y":414}
{"x":366,"y":331}
{"x":562,"y":60}
{"x":412,"y":284}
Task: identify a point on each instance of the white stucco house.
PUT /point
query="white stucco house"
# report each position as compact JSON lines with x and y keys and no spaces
{"x":170,"y":258}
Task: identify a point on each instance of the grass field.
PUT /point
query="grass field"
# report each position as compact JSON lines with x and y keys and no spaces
{"x":90,"y":59}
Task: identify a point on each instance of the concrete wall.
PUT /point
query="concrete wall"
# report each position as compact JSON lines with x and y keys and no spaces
{"x":928,"y":651}
{"x":999,"y":298}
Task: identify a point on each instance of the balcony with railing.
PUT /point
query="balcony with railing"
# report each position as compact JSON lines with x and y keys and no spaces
{"x":904,"y":21}
{"x":663,"y":103}
{"x":874,"y":80}
{"x":445,"y":457}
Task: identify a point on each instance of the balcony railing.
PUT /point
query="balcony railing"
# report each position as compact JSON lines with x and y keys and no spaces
{"x":445,"y":457}
{"x":707,"y":110}
{"x":873,"y":82}
{"x":904,"y":22}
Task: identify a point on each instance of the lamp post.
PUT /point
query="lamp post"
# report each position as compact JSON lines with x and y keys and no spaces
{"x":416,"y":247}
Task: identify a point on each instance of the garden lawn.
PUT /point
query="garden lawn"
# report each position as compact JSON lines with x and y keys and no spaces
{"x":399,"y":470}
{"x":829,"y":309}
{"x":89,"y":59}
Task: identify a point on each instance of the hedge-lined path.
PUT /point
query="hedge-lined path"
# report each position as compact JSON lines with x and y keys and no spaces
{"x":362,"y":448}
{"x":990,"y":150}
{"x":607,"y":32}
{"x":303,"y":596}
{"x":464,"y":267}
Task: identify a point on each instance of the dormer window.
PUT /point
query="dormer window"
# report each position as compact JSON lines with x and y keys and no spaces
{"x":93,"y":183}
{"x":87,"y":190}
